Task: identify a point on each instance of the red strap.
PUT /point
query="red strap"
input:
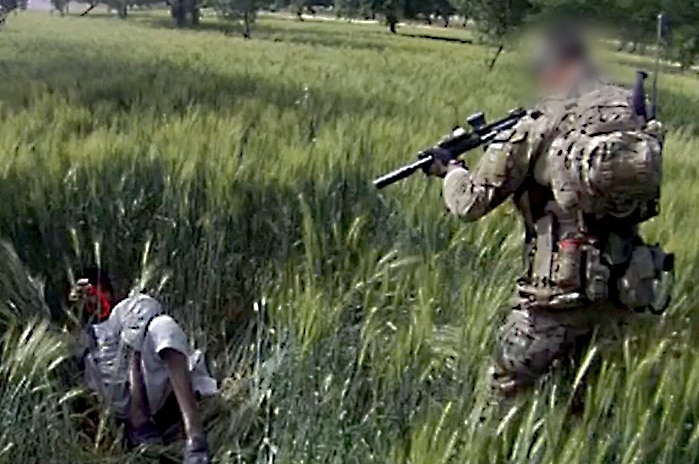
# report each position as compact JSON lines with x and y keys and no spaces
{"x":570,"y":243}
{"x":104,"y":303}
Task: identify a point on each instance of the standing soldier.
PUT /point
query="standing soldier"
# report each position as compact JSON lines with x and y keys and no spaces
{"x":583,"y":176}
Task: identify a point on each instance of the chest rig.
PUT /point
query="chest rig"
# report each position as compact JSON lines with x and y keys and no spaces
{"x":604,"y":169}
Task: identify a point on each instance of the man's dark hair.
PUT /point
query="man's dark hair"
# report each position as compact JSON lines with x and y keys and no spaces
{"x":97,"y":277}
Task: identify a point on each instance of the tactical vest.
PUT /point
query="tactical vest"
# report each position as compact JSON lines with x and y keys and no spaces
{"x":605,"y":169}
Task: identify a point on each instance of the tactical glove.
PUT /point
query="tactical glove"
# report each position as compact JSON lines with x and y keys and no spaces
{"x":442,"y":162}
{"x":196,"y":451}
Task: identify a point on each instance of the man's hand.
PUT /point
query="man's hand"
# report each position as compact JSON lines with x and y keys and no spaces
{"x":80,"y":291}
{"x":196,"y":451}
{"x":442,"y":163}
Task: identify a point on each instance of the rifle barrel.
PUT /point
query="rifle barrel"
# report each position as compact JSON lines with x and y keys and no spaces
{"x":402,"y":172}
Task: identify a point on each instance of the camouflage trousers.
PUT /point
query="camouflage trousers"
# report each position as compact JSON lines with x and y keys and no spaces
{"x":532,"y":341}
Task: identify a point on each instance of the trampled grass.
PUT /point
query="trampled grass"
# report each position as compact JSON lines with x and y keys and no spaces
{"x":231,"y":175}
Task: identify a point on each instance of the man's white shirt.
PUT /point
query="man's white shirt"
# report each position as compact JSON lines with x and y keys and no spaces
{"x":106,"y":364}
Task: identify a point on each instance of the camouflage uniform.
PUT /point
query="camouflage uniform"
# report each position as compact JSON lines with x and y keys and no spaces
{"x":532,"y":163}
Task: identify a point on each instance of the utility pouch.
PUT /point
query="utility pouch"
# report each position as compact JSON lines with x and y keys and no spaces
{"x":648,"y":280}
{"x":543,"y":255}
{"x":664,"y":280}
{"x":597,"y":275}
{"x":567,"y":272}
{"x":636,"y":285}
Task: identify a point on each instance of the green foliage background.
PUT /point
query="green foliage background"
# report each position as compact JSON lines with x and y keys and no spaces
{"x":231,"y":175}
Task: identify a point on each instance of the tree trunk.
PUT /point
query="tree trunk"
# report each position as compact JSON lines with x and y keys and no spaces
{"x":495,"y":58}
{"x":123,"y":10}
{"x":246,"y":25}
{"x":392,"y":21}
{"x":178,"y":13}
{"x":89,"y":8}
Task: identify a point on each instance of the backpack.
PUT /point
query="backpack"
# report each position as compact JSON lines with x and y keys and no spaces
{"x":606,"y":160}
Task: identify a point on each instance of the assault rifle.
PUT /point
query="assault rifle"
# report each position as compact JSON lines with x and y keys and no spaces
{"x":458,"y":142}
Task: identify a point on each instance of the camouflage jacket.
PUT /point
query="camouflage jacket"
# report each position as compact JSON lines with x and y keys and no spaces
{"x":519,"y":162}
{"x":511,"y":165}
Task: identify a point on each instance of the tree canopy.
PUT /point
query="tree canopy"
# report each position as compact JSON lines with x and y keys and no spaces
{"x":632,"y":22}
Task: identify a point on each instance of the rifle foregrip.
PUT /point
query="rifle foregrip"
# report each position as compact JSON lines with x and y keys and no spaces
{"x":402,"y":172}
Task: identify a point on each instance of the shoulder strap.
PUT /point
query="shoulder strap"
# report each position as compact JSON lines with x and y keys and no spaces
{"x":150,"y":321}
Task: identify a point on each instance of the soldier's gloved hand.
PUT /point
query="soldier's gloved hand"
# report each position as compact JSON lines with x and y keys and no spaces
{"x":442,"y":162}
{"x":196,"y":451}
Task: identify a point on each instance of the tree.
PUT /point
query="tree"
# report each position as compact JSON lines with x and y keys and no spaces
{"x":636,"y":21}
{"x":392,"y":8}
{"x":301,"y":6}
{"x":120,"y":6}
{"x":443,"y":9}
{"x":6,"y":7}
{"x":348,"y":8}
{"x":497,"y":20}
{"x":60,"y":5}
{"x":184,"y":13}
{"x":242,"y":12}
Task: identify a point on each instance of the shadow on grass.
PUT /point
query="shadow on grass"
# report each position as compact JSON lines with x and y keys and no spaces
{"x":437,"y":37}
{"x":649,"y":65}
{"x":313,"y":34}
{"x":113,"y":85}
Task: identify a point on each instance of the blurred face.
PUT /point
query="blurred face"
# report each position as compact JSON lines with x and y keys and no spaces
{"x":557,"y":77}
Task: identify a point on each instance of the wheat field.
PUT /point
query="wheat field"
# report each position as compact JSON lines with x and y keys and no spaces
{"x":232,"y":178}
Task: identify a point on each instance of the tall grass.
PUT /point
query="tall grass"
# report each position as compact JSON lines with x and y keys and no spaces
{"x":233,"y":179}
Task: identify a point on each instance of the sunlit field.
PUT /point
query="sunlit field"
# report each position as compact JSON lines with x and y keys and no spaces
{"x":233,"y":177}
